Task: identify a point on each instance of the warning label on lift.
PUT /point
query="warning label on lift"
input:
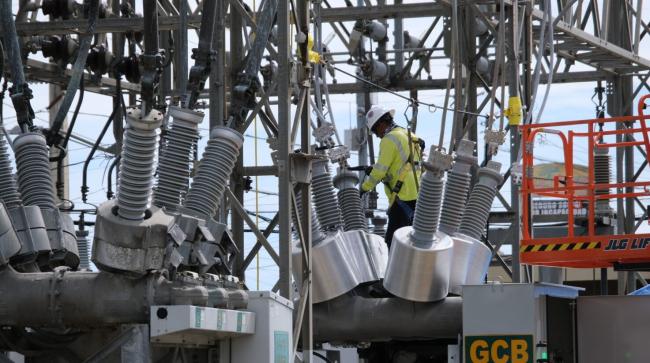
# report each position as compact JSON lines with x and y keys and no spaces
{"x":499,"y":349}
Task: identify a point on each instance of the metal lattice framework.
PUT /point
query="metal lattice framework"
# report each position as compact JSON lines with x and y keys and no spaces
{"x":491,"y":48}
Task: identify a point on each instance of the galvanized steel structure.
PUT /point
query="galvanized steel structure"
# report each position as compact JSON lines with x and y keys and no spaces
{"x":492,"y":46}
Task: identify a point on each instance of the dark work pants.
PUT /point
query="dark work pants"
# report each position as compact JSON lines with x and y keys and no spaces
{"x":400,"y":214}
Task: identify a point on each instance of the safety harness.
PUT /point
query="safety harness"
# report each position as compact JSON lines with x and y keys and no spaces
{"x":407,"y":167}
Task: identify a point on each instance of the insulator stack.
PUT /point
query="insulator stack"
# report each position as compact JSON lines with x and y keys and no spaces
{"x":9,"y":243}
{"x":9,"y":194}
{"x":137,"y":163}
{"x":427,"y":210}
{"x":602,"y":175}
{"x":349,"y":201}
{"x":322,"y":190}
{"x":350,"y":204}
{"x":27,"y":222}
{"x":457,"y":187}
{"x":480,"y":200}
{"x":379,"y":225}
{"x":35,"y":247}
{"x":214,"y":171}
{"x":33,"y":169}
{"x":176,"y":157}
{"x":84,"y":249}
{"x":422,"y":247}
{"x":317,"y":235}
{"x":36,"y":188}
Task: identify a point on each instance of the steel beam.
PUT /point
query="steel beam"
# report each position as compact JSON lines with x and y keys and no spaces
{"x":258,"y":245}
{"x":241,"y":212}
{"x":434,"y":84}
{"x":123,"y":25}
{"x":268,"y":170}
{"x":422,"y":10}
{"x":50,"y":73}
{"x":615,"y":52}
{"x":45,"y":72}
{"x":236,"y":179}
{"x":106,"y":25}
{"x":284,"y":149}
{"x":303,"y":8}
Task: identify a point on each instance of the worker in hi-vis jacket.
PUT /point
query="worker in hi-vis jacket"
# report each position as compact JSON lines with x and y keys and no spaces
{"x":397,"y":167}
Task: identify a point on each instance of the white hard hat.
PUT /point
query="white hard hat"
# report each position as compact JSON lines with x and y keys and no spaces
{"x":375,"y":113}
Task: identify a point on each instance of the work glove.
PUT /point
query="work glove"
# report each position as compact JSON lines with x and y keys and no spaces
{"x":368,"y":170}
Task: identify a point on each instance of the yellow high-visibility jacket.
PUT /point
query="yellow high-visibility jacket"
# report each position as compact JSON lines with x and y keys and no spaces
{"x":393,"y":157}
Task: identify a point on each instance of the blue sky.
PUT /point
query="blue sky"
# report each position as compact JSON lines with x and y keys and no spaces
{"x":566,"y":102}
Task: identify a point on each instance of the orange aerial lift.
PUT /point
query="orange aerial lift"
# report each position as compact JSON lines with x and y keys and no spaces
{"x":586,"y":250}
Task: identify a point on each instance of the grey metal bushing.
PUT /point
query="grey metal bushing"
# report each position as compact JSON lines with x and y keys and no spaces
{"x":130,"y":245}
{"x":419,"y":272}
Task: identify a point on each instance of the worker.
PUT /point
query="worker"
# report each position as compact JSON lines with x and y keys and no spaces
{"x":397,"y":167}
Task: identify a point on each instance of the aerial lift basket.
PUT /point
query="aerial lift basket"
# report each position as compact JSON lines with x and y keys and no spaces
{"x":579,"y":249}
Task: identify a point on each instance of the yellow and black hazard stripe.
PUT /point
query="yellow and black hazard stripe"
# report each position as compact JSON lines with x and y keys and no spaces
{"x":561,"y":247}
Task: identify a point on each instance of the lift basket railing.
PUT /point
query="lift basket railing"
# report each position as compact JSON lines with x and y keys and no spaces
{"x":586,"y":250}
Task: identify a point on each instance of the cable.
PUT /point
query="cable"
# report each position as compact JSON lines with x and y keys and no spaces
{"x":430,"y":105}
{"x":83,"y":161}
{"x":257,"y":200}
{"x":538,"y":66}
{"x":2,"y":67}
{"x":77,"y":71}
{"x":324,"y":358}
{"x":19,"y":91}
{"x":552,"y":51}
{"x":4,"y":85}
{"x":73,"y":121}
{"x":109,"y":187}
{"x":84,"y":184}
{"x":499,"y":70}
{"x":458,"y":87}
{"x":443,"y":123}
{"x":63,"y":152}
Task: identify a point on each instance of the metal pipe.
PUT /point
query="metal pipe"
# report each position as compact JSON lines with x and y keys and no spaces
{"x":151,"y":42}
{"x":217,"y":73}
{"x":87,"y":299}
{"x":358,"y":319}
{"x":181,"y":53}
{"x":151,"y":60}
{"x":284,"y":148}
